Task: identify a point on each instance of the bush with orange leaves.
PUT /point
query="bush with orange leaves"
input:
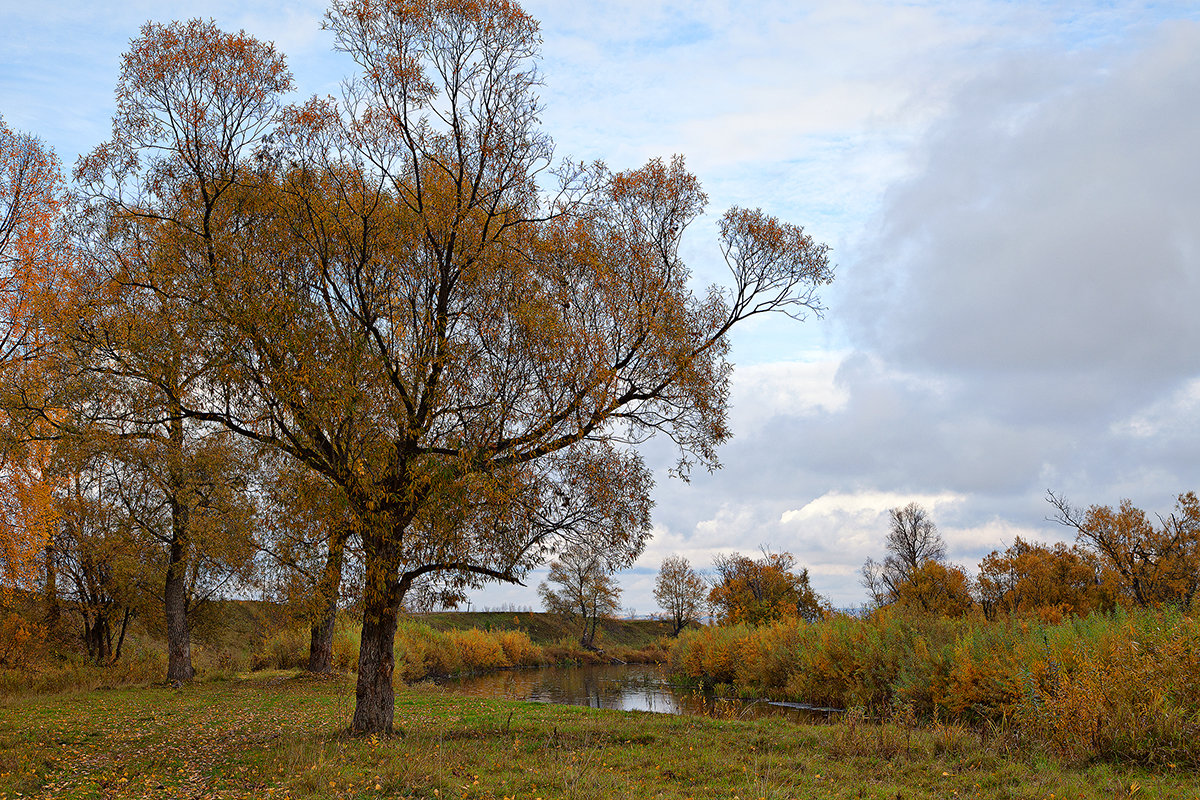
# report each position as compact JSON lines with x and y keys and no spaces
{"x":18,"y":638}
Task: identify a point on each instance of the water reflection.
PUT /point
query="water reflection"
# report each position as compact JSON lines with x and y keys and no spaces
{"x":634,"y":687}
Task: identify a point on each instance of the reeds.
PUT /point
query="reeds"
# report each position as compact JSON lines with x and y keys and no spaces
{"x":1121,"y":686}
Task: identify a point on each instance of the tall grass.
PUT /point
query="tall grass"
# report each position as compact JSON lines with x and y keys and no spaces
{"x":1118,"y":686}
{"x":420,"y":651}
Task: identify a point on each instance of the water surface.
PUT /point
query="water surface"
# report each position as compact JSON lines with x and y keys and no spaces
{"x":633,"y":687}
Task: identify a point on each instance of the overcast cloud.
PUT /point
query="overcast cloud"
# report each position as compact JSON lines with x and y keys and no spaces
{"x":1012,"y":192}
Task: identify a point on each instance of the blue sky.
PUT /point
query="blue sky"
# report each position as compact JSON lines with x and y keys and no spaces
{"x":1011,"y":190}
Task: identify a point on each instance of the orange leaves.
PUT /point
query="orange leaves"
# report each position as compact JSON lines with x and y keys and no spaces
{"x":756,"y":591}
{"x":28,"y":514}
{"x":32,"y":288}
{"x":31,"y":197}
{"x":934,"y":588}
{"x":386,"y":292}
{"x":775,"y":265}
{"x":659,"y":201}
{"x":1150,"y":564}
{"x":213,"y":66}
{"x":192,"y":100}
{"x":1048,"y":581}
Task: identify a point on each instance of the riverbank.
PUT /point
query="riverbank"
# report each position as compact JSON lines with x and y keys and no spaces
{"x":281,"y":735}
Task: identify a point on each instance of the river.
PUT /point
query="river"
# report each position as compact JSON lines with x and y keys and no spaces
{"x":632,"y":687}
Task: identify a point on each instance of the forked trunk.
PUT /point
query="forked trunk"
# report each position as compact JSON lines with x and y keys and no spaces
{"x":97,"y":633}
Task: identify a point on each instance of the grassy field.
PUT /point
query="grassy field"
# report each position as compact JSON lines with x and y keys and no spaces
{"x":282,"y":736}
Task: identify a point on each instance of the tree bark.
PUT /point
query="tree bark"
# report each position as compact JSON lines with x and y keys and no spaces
{"x":179,"y":644}
{"x":175,"y":589}
{"x":121,"y":639}
{"x":53,"y":611}
{"x":374,"y":698}
{"x":320,"y":649}
{"x":97,"y":634}
{"x":320,"y":646}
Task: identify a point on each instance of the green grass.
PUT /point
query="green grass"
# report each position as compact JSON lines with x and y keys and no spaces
{"x":279,"y":736}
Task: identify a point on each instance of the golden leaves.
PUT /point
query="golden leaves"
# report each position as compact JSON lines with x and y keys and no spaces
{"x":32,"y":292}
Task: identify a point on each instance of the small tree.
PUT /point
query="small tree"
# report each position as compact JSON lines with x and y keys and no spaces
{"x":1151,"y":564}
{"x":934,"y":588}
{"x":912,"y":541}
{"x":1031,"y":578}
{"x":757,"y":591}
{"x":586,"y":590}
{"x":680,"y":592}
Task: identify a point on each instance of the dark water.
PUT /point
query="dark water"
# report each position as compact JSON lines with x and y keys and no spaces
{"x":635,"y":687}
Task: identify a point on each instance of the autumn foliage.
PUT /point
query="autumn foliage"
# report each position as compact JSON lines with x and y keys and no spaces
{"x":32,"y":287}
{"x":401,"y":292}
{"x":1123,"y":687}
{"x":757,"y":591}
{"x":1051,"y":582}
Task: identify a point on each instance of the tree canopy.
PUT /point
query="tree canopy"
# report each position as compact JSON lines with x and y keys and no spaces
{"x":754,"y":591}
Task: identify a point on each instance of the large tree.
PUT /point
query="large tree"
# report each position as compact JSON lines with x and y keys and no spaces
{"x":404,"y":293}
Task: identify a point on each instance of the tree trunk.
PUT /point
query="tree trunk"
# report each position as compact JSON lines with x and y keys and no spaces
{"x":53,"y":611}
{"x":179,"y":644}
{"x":374,"y":699}
{"x":320,"y":646}
{"x":121,"y":639}
{"x":175,"y":589}
{"x":320,"y":649}
{"x":98,"y":635}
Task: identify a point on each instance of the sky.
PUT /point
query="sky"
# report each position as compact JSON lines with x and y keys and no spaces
{"x":1011,"y":191}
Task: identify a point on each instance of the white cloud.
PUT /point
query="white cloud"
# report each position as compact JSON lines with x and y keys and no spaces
{"x":865,"y":505}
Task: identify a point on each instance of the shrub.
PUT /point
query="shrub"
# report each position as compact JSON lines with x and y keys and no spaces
{"x":421,"y":651}
{"x":478,"y":651}
{"x":19,"y":638}
{"x":285,"y":649}
{"x":520,"y":650}
{"x":1122,"y":686}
